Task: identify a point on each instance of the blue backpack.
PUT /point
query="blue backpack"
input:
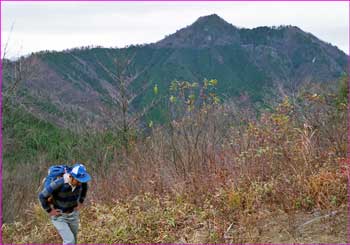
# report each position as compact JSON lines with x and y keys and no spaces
{"x":55,"y":172}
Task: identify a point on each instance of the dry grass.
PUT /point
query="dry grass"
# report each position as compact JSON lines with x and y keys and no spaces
{"x":207,"y":181}
{"x":152,"y":219}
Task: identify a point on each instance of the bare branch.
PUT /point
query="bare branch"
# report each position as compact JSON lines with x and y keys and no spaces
{"x":7,"y":42}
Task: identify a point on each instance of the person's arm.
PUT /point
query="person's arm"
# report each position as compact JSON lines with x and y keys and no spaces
{"x":47,"y":192}
{"x":85,"y":187}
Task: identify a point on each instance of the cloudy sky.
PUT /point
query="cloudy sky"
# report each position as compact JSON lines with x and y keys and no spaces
{"x":61,"y":25}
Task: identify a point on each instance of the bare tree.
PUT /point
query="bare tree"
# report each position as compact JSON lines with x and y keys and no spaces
{"x":126,"y":118}
{"x":14,"y":73}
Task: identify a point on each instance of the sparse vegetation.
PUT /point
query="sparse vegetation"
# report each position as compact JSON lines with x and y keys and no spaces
{"x":212,"y":162}
{"x":214,"y":174}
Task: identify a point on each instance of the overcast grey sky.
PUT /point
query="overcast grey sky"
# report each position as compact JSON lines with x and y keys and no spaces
{"x":62,"y":25}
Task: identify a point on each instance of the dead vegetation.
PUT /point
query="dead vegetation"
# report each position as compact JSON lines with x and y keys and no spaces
{"x":219,"y":177}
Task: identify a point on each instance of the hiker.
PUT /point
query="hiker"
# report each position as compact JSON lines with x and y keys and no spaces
{"x":62,"y":199}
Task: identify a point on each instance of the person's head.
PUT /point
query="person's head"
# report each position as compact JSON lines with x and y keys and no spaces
{"x":79,"y":174}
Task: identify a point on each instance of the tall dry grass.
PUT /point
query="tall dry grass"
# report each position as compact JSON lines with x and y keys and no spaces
{"x":288,"y":159}
{"x":224,"y":160}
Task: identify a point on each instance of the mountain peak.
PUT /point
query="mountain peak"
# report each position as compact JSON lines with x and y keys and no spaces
{"x":210,"y":18}
{"x":204,"y":32}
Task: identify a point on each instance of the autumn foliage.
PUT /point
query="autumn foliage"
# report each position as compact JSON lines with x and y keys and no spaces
{"x":213,"y":167}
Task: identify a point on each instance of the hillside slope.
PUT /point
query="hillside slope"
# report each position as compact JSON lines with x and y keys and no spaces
{"x":79,"y":86}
